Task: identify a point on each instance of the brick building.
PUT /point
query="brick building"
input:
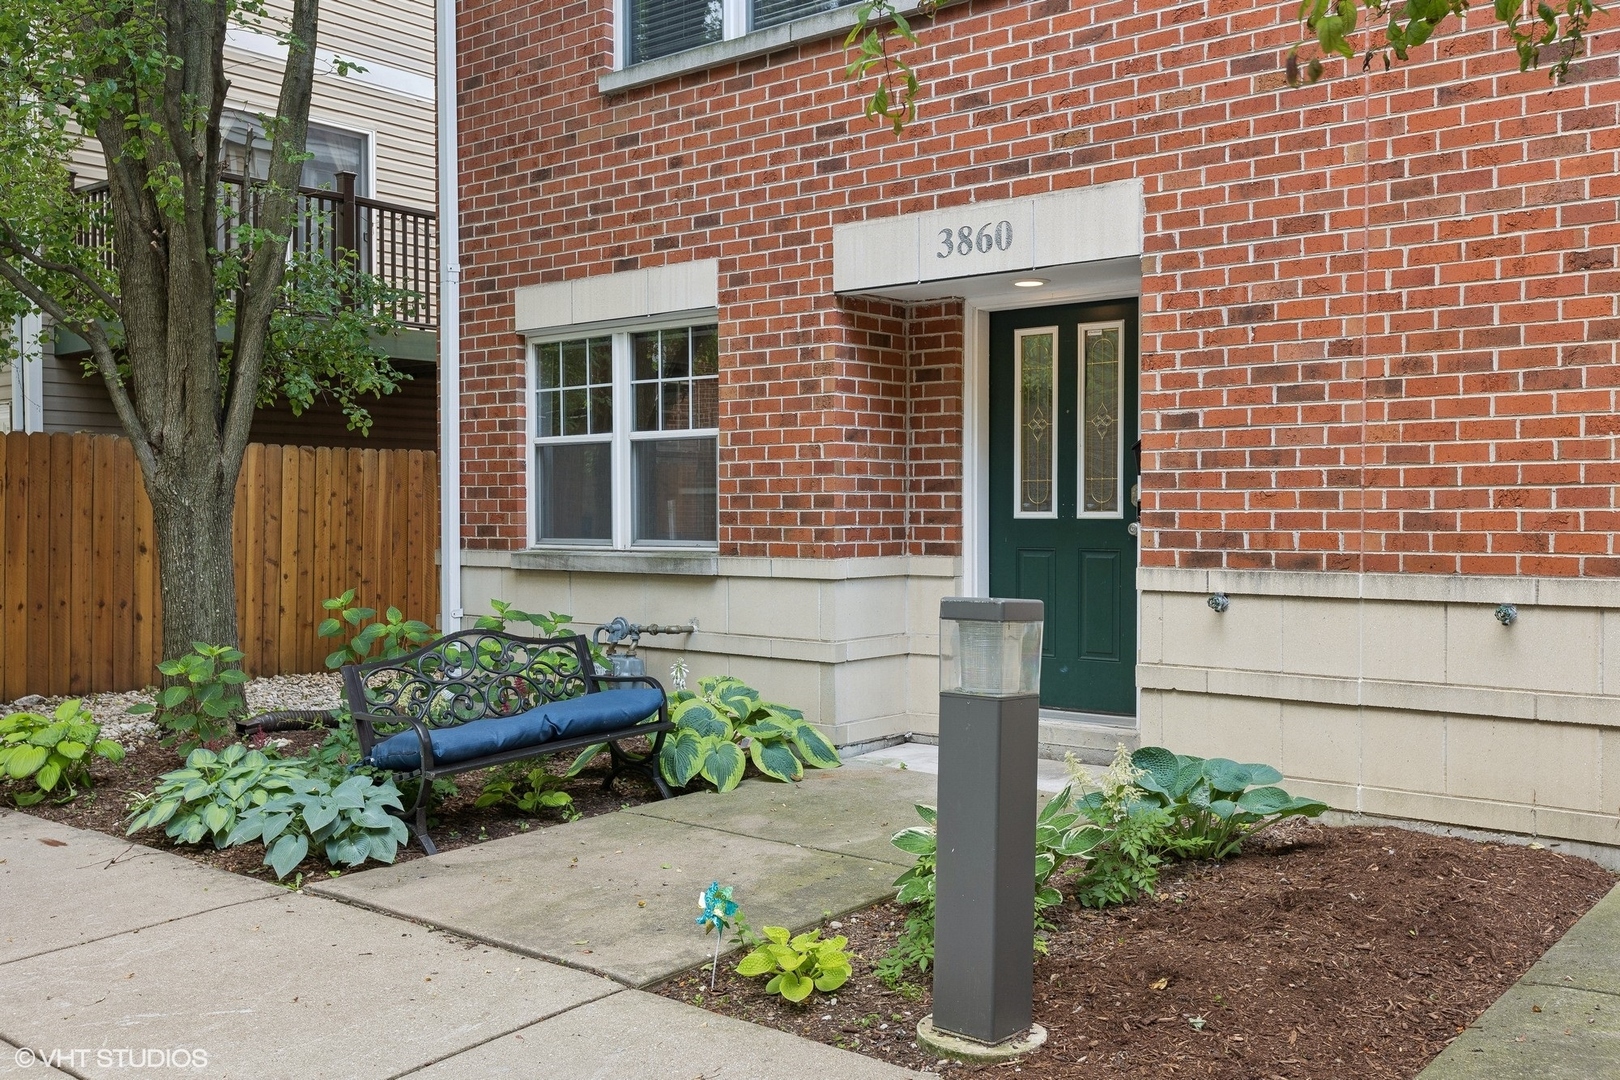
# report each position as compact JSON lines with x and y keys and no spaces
{"x":732,"y":353}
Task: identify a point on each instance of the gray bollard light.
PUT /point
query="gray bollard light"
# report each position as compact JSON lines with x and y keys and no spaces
{"x":984,"y":921}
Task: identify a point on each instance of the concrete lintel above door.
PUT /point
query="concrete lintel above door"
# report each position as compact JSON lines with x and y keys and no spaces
{"x":1026,"y":236}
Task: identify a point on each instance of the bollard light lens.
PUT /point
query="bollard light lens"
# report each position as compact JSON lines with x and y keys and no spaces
{"x":990,"y":647}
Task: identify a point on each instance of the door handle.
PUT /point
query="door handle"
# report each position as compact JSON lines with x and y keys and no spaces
{"x":1134,"y":529}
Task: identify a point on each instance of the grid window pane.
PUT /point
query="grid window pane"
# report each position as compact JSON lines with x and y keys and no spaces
{"x":575,"y":387}
{"x":661,"y":27}
{"x":576,"y":491}
{"x":676,"y":386}
{"x":675,"y":490}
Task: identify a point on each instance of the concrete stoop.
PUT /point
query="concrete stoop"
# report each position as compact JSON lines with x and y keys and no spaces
{"x":1092,"y":738}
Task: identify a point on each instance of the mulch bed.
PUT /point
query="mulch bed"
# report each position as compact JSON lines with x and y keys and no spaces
{"x":1320,"y":954}
{"x":454,"y":822}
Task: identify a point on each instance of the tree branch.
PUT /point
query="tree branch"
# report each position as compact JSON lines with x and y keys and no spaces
{"x":74,"y":272}
{"x":268,"y":263}
{"x":100,"y":348}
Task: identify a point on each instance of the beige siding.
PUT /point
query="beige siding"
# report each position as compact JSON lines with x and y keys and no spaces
{"x":388,"y":33}
{"x":401,"y":127}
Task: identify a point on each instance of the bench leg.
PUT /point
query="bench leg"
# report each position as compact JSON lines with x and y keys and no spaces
{"x":646,"y":765}
{"x":424,"y":792}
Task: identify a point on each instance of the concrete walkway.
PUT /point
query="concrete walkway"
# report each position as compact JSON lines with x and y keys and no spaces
{"x":518,"y":958}
{"x":1560,"y":1022}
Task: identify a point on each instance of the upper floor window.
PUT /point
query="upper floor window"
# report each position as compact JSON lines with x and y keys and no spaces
{"x":654,"y":28}
{"x":245,"y":151}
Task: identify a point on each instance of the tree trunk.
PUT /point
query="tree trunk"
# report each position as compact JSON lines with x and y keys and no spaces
{"x":192,"y":517}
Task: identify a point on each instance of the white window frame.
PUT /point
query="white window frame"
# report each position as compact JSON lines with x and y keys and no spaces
{"x":1080,"y":421}
{"x":622,"y":439}
{"x":736,"y":21}
{"x":1018,"y":422}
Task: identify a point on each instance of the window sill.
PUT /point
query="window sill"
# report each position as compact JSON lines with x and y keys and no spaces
{"x":799,"y":32}
{"x":676,"y":561}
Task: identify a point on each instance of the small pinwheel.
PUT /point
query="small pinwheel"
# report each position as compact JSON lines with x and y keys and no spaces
{"x":717,"y":911}
{"x":717,"y":907}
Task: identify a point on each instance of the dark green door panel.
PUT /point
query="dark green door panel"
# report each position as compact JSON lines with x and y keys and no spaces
{"x":1049,"y":539}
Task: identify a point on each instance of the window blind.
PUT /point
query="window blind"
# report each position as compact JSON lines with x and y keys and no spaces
{"x":661,"y":27}
{"x":776,"y":12}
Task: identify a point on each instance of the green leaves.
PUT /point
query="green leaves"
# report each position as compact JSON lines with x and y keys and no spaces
{"x":893,"y":97}
{"x":201,"y":701}
{"x":798,"y":965}
{"x":395,"y":634}
{"x":724,"y":724}
{"x":527,"y":790}
{"x":721,"y":763}
{"x":1411,"y":25}
{"x":53,"y":754}
{"x":1215,"y":803}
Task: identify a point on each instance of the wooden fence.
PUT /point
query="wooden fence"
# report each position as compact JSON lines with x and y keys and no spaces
{"x":79,"y":601}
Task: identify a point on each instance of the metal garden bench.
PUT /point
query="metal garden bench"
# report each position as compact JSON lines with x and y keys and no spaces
{"x":479,"y":698}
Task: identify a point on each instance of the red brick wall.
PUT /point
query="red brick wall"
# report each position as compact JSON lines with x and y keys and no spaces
{"x":1451,"y":222}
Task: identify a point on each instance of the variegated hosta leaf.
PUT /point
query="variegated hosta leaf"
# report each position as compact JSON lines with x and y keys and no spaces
{"x":722,"y":763}
{"x":682,"y":757}
{"x":775,"y":759}
{"x":702,"y":718}
{"x":813,"y":746}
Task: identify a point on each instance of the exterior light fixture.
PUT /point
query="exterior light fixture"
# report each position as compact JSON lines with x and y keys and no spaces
{"x":1507,"y":614}
{"x":1029,"y":283}
{"x":984,"y":913}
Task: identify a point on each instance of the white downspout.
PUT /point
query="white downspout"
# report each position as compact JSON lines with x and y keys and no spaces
{"x":449,"y":321}
{"x":28,"y":376}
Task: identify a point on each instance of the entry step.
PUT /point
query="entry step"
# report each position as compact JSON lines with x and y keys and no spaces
{"x":1091,"y":737}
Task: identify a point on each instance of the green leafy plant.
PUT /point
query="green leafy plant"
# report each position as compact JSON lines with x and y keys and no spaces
{"x":913,"y":950}
{"x":53,"y":752}
{"x":203,"y":699}
{"x":395,"y":634}
{"x":551,"y":624}
{"x":1214,"y":804}
{"x":349,"y":820}
{"x":1132,"y":835}
{"x":204,"y":799}
{"x":723,"y":725}
{"x":798,"y":965}
{"x":1062,"y":833}
{"x":529,"y":790}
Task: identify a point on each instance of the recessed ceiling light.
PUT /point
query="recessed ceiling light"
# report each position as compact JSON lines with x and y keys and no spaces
{"x":1029,"y":283}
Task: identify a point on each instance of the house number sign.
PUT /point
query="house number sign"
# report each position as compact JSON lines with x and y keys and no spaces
{"x":964,"y":240}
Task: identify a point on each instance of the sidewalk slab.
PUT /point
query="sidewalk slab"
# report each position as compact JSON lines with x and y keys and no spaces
{"x":13,"y":1067}
{"x":921,"y":758}
{"x":638,"y":1036}
{"x":852,"y":810}
{"x":1574,"y":1036}
{"x":615,"y":894}
{"x":290,"y":987}
{"x":84,"y":885}
{"x":1561,"y":1021}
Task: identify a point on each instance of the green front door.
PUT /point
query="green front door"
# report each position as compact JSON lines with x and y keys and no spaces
{"x":1063,"y":425}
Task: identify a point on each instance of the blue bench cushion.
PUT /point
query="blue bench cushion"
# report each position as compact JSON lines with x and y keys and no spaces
{"x":585,"y":715}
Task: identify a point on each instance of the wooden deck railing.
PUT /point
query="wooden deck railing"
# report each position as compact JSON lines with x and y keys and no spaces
{"x":399,"y":244}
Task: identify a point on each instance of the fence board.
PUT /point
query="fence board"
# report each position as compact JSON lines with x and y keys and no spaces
{"x":80,"y":606}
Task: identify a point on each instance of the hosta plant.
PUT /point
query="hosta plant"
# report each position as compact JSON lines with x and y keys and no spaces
{"x":204,"y":698}
{"x":204,"y":799}
{"x":798,"y":965}
{"x":349,"y":820}
{"x":1215,"y":804}
{"x":723,"y":725}
{"x":50,"y":754}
